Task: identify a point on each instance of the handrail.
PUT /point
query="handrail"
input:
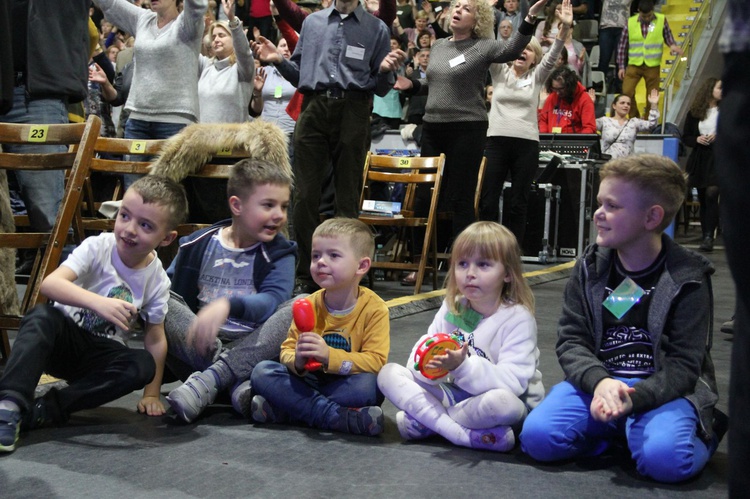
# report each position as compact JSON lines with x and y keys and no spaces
{"x":681,"y":67}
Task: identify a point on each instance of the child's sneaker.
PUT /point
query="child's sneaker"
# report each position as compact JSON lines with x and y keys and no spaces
{"x":498,"y":439}
{"x":363,"y":421}
{"x":241,"y":399}
{"x":10,"y":426}
{"x":410,"y":428}
{"x":194,"y":395}
{"x":261,"y":411}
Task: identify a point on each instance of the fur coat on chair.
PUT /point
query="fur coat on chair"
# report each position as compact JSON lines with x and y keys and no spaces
{"x":197,"y":144}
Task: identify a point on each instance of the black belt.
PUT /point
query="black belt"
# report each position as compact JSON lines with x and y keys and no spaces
{"x":20,"y":79}
{"x":337,"y":93}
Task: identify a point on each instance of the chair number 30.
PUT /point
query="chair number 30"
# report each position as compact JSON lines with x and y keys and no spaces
{"x":404,"y":162}
{"x":38,"y":133}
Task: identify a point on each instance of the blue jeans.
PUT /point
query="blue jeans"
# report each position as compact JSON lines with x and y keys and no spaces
{"x":41,"y":192}
{"x":147,"y":130}
{"x":314,"y":398}
{"x":664,"y":441}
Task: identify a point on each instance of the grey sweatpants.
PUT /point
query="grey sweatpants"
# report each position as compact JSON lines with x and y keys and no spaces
{"x":241,"y":356}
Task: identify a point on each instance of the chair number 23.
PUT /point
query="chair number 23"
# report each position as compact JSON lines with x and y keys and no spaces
{"x":38,"y":133}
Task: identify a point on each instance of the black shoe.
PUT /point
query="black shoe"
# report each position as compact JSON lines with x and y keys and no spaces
{"x":36,"y":416}
{"x":707,"y":246}
{"x":720,"y":425}
{"x":42,"y":413}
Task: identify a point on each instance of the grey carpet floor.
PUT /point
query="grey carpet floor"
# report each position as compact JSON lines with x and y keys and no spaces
{"x":114,"y":452}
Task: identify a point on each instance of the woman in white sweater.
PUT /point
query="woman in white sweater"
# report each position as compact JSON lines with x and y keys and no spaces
{"x":513,"y":134}
{"x":226,"y":80}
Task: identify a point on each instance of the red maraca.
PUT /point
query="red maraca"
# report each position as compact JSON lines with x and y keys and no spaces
{"x":304,"y":318}
{"x":435,"y":344}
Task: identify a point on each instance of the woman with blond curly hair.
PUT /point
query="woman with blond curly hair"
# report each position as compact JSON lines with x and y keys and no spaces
{"x":455,"y":119}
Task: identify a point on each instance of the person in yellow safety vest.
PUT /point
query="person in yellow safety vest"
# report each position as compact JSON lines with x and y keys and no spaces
{"x":639,"y":51}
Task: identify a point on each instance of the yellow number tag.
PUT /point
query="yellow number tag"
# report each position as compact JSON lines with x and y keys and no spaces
{"x":404,"y":162}
{"x":38,"y":133}
{"x":138,"y":146}
{"x":224,"y":151}
{"x":556,"y":129}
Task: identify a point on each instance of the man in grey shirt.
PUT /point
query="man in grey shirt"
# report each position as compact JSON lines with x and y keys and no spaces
{"x":341,"y":60}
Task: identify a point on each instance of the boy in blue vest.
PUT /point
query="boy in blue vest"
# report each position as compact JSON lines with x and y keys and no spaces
{"x":231,"y":279}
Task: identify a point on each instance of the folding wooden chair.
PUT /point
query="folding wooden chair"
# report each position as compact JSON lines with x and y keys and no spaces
{"x":139,"y":154}
{"x":413,"y":172}
{"x":48,"y":246}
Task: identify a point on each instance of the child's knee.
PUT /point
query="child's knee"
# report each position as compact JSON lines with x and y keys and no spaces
{"x":264,"y":371}
{"x":536,"y":439}
{"x":665,"y":459}
{"x":138,"y":369}
{"x":391,"y":376}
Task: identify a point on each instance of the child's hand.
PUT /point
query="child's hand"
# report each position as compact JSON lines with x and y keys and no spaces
{"x":611,"y":400}
{"x":118,"y":312}
{"x":450,"y":360}
{"x":310,"y":345}
{"x":205,"y":328}
{"x":151,"y":406}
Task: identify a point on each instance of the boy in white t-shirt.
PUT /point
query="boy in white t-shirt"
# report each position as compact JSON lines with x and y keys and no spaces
{"x":105,"y":284}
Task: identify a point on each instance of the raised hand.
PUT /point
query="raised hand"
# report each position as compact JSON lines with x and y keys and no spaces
{"x":228,"y":7}
{"x":536,"y":9}
{"x":566,"y":16}
{"x":265,"y":50}
{"x":259,"y":80}
{"x":653,"y":98}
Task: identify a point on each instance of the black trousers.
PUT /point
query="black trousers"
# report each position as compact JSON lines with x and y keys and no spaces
{"x":520,"y":158}
{"x":463,"y":148}
{"x":98,"y":370}
{"x":329,"y":132}
{"x":732,"y":160}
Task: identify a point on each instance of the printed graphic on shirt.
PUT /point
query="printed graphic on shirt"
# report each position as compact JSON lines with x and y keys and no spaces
{"x":227,"y":273}
{"x":627,"y":351}
{"x":336,"y":339}
{"x":97,"y":325}
{"x":469,"y":338}
{"x":627,"y":347}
